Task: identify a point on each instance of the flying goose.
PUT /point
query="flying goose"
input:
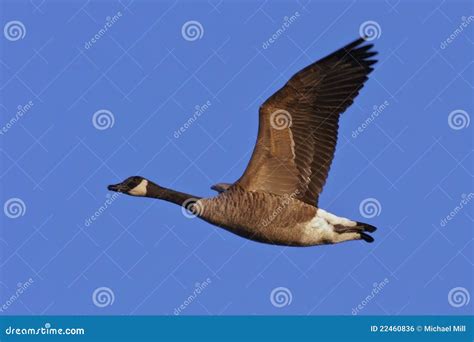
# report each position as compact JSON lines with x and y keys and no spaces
{"x":275,"y":201}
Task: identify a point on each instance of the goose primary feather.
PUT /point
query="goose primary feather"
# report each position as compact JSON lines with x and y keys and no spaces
{"x":276,"y":199}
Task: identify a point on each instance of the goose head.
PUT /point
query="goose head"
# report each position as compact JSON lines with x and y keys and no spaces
{"x":133,"y":186}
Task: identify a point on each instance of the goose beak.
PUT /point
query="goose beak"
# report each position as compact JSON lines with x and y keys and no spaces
{"x":115,"y":187}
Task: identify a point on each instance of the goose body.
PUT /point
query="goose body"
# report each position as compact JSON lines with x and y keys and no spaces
{"x":275,"y":219}
{"x":276,"y":199}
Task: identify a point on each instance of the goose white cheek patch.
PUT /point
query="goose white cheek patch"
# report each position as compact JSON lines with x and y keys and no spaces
{"x":140,"y":189}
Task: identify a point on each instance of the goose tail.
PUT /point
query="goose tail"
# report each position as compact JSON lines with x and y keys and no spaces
{"x":364,"y":229}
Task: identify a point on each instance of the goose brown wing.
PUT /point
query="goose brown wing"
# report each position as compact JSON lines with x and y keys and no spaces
{"x":298,"y":124}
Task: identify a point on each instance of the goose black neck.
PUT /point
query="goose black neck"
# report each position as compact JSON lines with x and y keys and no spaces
{"x":170,"y":195}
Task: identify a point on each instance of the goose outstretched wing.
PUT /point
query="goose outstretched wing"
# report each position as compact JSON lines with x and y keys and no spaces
{"x":298,"y":124}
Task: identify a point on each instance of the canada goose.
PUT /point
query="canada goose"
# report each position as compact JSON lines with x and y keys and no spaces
{"x":275,"y":200}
